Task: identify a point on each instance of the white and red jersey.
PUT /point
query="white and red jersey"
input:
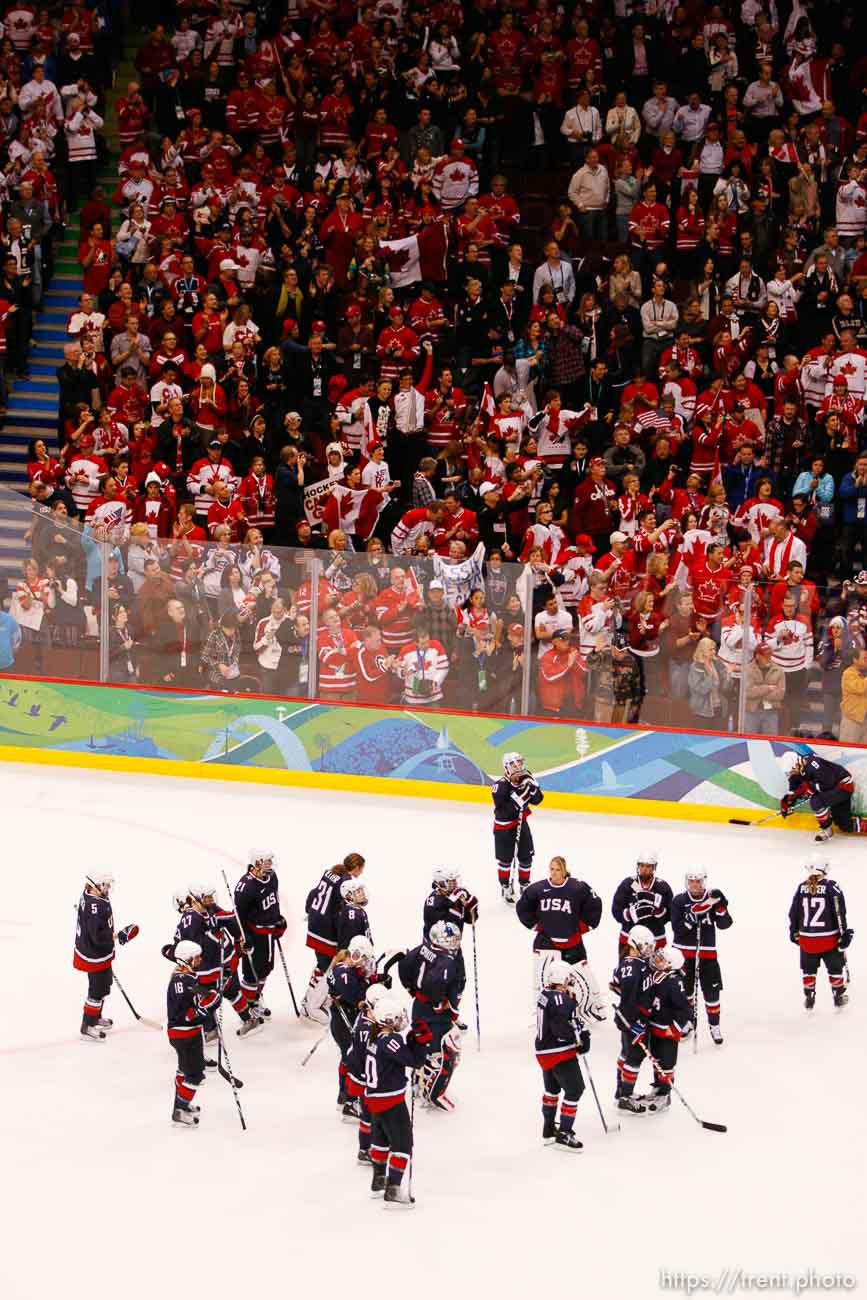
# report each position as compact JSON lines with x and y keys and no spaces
{"x":20,"y":23}
{"x":622,"y":573}
{"x":595,"y":619}
{"x":114,"y":514}
{"x":82,"y":325}
{"x":779,"y":555}
{"x":442,"y":426}
{"x":82,"y":478}
{"x":550,"y":537}
{"x":851,"y":209}
{"x":396,"y":349}
{"x":853,"y":367}
{"x":395,"y":612}
{"x":757,"y":514}
{"x":649,"y":224}
{"x":576,"y":569}
{"x":256,"y":494}
{"x":376,"y":475}
{"x":629,"y":507}
{"x":687,"y":359}
{"x":220,"y":39}
{"x":230,"y":513}
{"x":690,"y":229}
{"x":356,"y":420}
{"x":508,"y":428}
{"x":338,"y":662}
{"x":815,"y":372}
{"x":705,"y":444}
{"x":454,"y":181}
{"x":553,"y":430}
{"x":423,"y":672}
{"x":851,"y":412}
{"x":792,"y":641}
{"x":408,"y":529}
{"x":81,"y":137}
{"x":354,"y":510}
{"x":505,"y":214}
{"x":559,"y":673}
{"x":203,"y":474}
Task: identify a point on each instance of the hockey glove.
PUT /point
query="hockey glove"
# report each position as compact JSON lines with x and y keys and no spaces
{"x":638,"y":1032}
{"x":700,"y":909}
{"x":719,"y":898}
{"x":168,"y":951}
{"x":280,"y":928}
{"x":583,"y":1041}
{"x":846,"y":938}
{"x":786,"y":804}
{"x":385,"y":980}
{"x":641,"y":910}
{"x":421,"y":1032}
{"x":127,"y":934}
{"x":793,"y":938}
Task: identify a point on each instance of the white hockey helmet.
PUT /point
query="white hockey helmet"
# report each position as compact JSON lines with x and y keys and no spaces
{"x":790,"y":761}
{"x":374,"y":994}
{"x":557,"y":971}
{"x":186,"y":952}
{"x":263,"y":859}
{"x":196,"y":891}
{"x":445,"y":934}
{"x":179,"y":899}
{"x":390,"y":1013}
{"x":643,"y":940}
{"x":817,"y":866}
{"x":667,"y":958}
{"x":647,"y":860}
{"x":101,"y":880}
{"x":360,"y":949}
{"x":445,"y":880}
{"x":696,"y":876}
{"x":354,"y":890}
{"x":513,"y":763}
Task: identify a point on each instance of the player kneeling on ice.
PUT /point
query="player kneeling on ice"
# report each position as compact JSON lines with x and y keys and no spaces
{"x":189,"y":1007}
{"x":828,"y":787}
{"x":642,"y":899}
{"x":356,"y":1055}
{"x":670,"y":1022}
{"x":513,"y":796}
{"x":202,"y":921}
{"x":817,"y":924}
{"x":351,"y":974}
{"x":561,"y":910}
{"x":94,"y":950}
{"x":561,"y":1036}
{"x":257,"y":902}
{"x":323,"y":907}
{"x":389,"y":1056}
{"x":696,"y":915}
{"x":432,"y":975}
{"x":632,"y":982}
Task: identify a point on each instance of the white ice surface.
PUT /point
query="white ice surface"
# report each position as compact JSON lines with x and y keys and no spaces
{"x":101,"y":1195}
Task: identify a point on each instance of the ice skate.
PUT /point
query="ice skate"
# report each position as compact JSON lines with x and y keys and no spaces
{"x":105,"y":1023}
{"x":92,"y":1033}
{"x":716,"y":1034}
{"x":184,"y":1117}
{"x":363,"y":1158}
{"x":349,"y":1112}
{"x":841,"y":997}
{"x":549,"y":1132}
{"x":509,"y":895}
{"x":824,"y":833}
{"x":809,"y":999}
{"x":398,"y":1198}
{"x":247,"y":1027}
{"x":210,"y":1063}
{"x":656,"y":1105}
{"x":631,"y":1105}
{"x":210,"y":1035}
{"x":377,"y":1185}
{"x":567,"y":1142}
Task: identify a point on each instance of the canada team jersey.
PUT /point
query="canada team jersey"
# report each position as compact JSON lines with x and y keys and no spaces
{"x":94,"y":934}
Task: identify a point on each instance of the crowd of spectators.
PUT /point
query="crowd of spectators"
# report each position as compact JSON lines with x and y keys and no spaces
{"x":629,"y":391}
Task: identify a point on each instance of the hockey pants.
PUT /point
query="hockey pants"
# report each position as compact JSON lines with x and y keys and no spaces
{"x":710,"y":982}
{"x":98,"y":989}
{"x":565,"y":1078}
{"x":835,"y":964}
{"x":835,"y":806}
{"x":342,"y":1035}
{"x":628,"y":1064}
{"x":391,"y":1140}
{"x":191,"y":1069}
{"x":664,"y":1050}
{"x":509,"y":842}
{"x":257,"y":964}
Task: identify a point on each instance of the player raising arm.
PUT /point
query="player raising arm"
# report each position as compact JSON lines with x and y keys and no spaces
{"x":514,"y":795}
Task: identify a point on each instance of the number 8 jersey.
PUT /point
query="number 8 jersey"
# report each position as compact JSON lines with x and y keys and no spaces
{"x":817,"y":917}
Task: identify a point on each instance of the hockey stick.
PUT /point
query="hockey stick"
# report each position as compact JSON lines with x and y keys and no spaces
{"x":843,"y":950}
{"x":584,"y":1064}
{"x":742,"y":821}
{"x":696,"y":987}
{"x":228,"y":1074}
{"x":245,"y":951}
{"x":151,"y":1024}
{"x":279,"y":948}
{"x":476,"y":990}
{"x":412,"y":1134}
{"x":221,"y":1069}
{"x":321,"y":1039}
{"x":705,"y":1123}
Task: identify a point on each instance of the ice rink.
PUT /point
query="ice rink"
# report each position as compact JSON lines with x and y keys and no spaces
{"x":103,"y":1195}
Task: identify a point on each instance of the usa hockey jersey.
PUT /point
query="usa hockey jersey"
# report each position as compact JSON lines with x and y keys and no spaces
{"x":188,"y":1006}
{"x":817,"y":916}
{"x":94,"y":934}
{"x":632,"y":982}
{"x":635,"y":905}
{"x":347,"y":986}
{"x":351,"y":921}
{"x":819,"y":776}
{"x":560,"y":914}
{"x":258,"y":904}
{"x":323,"y":908}
{"x":555,"y":1028}
{"x":512,"y":802}
{"x":670,"y":1012}
{"x":389,"y":1056}
{"x":433,"y":979}
{"x":695,"y":921}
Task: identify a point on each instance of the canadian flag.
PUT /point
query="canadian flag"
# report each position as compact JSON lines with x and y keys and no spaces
{"x":420,"y":257}
{"x":488,"y":407}
{"x":807,"y":83}
{"x":354,"y":510}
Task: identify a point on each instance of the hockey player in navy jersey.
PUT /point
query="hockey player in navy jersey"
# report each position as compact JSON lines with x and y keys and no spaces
{"x":432,"y":974}
{"x":818,"y":925}
{"x":642,"y":899}
{"x":632,"y":982}
{"x":352,"y":917}
{"x":449,"y":900}
{"x":696,"y":915}
{"x":323,"y":909}
{"x":355,"y":1060}
{"x":189,"y":1007}
{"x":94,"y":950}
{"x":561,"y":1036}
{"x":561,"y":910}
{"x":204,"y":922}
{"x":514,"y":795}
{"x":257,"y":902}
{"x":389,"y":1056}
{"x":670,"y":1022}
{"x":828,"y":787}
{"x":348,"y":981}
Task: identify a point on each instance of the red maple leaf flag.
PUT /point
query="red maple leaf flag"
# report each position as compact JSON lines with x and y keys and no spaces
{"x":420,"y":257}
